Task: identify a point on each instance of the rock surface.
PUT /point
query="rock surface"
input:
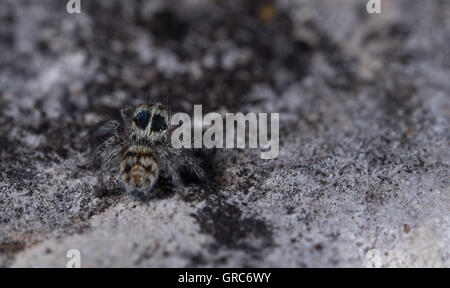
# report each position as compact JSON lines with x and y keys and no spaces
{"x":364,"y":132}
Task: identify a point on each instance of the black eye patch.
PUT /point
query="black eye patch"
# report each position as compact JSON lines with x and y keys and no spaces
{"x":142,"y":119}
{"x":158,"y":123}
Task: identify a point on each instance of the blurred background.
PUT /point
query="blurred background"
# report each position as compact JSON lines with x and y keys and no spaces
{"x":364,"y":132}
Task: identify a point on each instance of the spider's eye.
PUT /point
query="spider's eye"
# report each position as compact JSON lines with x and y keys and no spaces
{"x":158,"y":123}
{"x":142,"y":119}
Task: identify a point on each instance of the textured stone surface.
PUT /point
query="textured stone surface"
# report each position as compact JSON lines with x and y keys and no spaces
{"x":364,"y":141}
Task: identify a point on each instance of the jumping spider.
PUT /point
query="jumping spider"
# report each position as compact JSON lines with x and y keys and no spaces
{"x":144,"y":149}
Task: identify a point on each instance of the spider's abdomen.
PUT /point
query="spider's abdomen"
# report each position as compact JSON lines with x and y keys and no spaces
{"x":139,"y":169}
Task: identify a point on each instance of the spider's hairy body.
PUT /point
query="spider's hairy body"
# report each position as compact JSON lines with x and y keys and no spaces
{"x":143,"y":149}
{"x":139,"y":168}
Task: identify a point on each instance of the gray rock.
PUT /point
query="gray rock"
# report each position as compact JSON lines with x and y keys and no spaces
{"x":364,"y":141}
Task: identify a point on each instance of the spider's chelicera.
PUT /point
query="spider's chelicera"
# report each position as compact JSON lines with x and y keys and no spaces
{"x":143,"y":148}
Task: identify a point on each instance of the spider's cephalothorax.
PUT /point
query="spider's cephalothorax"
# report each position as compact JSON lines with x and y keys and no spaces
{"x":144,"y":149}
{"x":150,"y":124}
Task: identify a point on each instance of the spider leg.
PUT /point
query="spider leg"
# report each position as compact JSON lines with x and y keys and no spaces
{"x":115,"y":152}
{"x":172,"y":170}
{"x":144,"y":195}
{"x":126,"y":114}
{"x":186,"y":160}
{"x":111,"y":127}
{"x":108,"y":143}
{"x":171,"y":164}
{"x":113,"y":146}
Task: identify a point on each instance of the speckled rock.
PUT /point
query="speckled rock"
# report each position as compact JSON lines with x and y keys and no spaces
{"x":364,"y":132}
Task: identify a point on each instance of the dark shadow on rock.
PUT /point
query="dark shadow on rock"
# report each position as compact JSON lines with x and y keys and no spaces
{"x":230,"y":229}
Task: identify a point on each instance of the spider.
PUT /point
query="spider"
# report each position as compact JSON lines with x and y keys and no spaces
{"x":144,"y":150}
